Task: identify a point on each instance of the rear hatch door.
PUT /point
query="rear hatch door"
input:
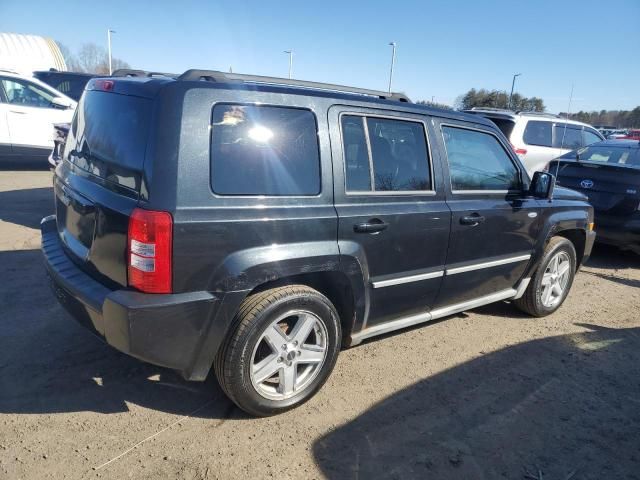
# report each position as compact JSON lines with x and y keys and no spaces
{"x":100,"y":181}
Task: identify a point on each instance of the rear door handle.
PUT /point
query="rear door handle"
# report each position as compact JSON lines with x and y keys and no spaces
{"x":372,"y":226}
{"x":472,"y":219}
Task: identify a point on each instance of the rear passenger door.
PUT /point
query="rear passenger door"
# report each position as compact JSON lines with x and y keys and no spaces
{"x":392,"y":214}
{"x":494,"y":223}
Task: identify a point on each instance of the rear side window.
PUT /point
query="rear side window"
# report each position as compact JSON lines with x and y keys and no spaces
{"x":264,"y":150}
{"x":566,"y":136}
{"x":589,"y":136}
{"x":537,"y":133}
{"x":390,"y":155}
{"x":505,"y":126}
{"x":477,"y":161}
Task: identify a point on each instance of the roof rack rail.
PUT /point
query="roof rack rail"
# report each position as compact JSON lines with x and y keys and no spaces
{"x":491,"y":109}
{"x":539,"y":114}
{"x":222,"y":77}
{"x":128,"y":72}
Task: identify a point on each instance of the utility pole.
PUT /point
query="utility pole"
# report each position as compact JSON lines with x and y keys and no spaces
{"x":109,"y":32}
{"x":513,"y":83}
{"x":290,"y":53}
{"x":393,"y":62}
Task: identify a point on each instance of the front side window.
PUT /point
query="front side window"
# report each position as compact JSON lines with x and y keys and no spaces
{"x":26,"y":94}
{"x":264,"y":150}
{"x":566,"y":136}
{"x":477,"y":161}
{"x":396,"y":150}
{"x":537,"y":133}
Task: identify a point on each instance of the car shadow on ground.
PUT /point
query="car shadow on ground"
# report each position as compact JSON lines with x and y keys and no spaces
{"x":49,"y":364}
{"x":508,"y":413}
{"x":26,"y":207}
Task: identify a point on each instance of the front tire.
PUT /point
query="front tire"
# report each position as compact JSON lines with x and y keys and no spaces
{"x":284,"y":346}
{"x":552,"y":281}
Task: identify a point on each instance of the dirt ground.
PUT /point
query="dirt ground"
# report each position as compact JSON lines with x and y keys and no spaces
{"x":486,"y":394}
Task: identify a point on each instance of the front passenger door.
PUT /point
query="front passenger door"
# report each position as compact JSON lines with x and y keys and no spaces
{"x":494,"y":223}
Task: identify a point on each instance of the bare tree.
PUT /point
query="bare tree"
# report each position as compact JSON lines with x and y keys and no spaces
{"x":91,"y":58}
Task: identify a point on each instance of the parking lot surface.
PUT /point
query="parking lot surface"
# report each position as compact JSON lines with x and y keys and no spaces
{"x":487,"y":394}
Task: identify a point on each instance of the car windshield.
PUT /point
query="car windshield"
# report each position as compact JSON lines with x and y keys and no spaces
{"x":620,"y":155}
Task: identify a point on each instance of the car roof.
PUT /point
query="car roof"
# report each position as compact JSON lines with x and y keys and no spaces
{"x":511,"y":115}
{"x":148,"y":84}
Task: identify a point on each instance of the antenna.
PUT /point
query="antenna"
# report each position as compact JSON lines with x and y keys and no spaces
{"x":564,"y":131}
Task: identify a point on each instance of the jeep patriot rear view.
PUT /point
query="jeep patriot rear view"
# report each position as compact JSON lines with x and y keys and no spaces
{"x":258,"y":225}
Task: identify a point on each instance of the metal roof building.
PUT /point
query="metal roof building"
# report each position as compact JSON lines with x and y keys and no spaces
{"x":27,"y":53}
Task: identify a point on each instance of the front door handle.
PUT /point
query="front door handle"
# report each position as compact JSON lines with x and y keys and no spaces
{"x":472,"y":220}
{"x":374,"y":225}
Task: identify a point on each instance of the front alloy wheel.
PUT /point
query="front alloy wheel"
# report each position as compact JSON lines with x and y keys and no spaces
{"x":555,"y":279}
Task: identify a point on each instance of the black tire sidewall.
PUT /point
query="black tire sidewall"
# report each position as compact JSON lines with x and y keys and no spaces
{"x":245,"y":393}
{"x":561,"y":245}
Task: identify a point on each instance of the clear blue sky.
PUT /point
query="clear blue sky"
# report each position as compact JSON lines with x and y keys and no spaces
{"x":444,"y":47}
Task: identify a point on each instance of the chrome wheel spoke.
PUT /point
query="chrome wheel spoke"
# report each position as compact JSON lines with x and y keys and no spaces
{"x":546,"y":295}
{"x":266,"y":368}
{"x":546,"y":280}
{"x":557,"y":290}
{"x":311,"y":354}
{"x":275,"y":337}
{"x":302,"y":329}
{"x":288,"y":379}
{"x":564,"y":268}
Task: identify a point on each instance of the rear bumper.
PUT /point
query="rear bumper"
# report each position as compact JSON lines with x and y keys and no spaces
{"x":620,"y":232}
{"x":166,"y":330}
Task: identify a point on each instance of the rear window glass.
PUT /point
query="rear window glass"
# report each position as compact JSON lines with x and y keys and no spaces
{"x":108,"y":136}
{"x":537,"y":133}
{"x":264,"y":150}
{"x":505,"y":126}
{"x":608,"y":154}
{"x":71,"y":85}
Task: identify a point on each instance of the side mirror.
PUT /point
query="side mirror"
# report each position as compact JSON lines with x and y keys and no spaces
{"x":542,"y":185}
{"x":59,"y":102}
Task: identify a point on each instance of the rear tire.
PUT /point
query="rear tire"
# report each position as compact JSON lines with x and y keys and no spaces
{"x":552,"y":280}
{"x":284,"y":346}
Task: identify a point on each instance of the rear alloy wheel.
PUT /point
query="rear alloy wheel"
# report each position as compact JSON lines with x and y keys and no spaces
{"x":552,"y":280}
{"x":282,"y":350}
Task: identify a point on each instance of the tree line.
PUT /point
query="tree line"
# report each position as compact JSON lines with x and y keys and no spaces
{"x":614,"y":118}
{"x":90,"y":58}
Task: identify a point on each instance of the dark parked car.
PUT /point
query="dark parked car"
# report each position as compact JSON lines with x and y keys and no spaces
{"x":70,"y":83}
{"x":257,"y":225}
{"x":609,"y":174}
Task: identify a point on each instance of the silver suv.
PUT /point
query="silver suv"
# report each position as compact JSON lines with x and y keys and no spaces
{"x":538,"y":138}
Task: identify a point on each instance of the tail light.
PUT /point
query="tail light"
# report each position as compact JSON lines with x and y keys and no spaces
{"x":150,"y":251}
{"x":519,"y":151}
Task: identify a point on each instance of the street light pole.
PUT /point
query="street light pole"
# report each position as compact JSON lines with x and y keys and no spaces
{"x":109,"y":32}
{"x":513,"y":83}
{"x":393,"y":61}
{"x":290,"y":52}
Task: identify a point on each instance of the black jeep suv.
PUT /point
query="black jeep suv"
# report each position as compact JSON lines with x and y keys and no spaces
{"x":257,"y":225}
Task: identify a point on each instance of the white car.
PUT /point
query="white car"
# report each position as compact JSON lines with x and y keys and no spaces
{"x":28,"y":110}
{"x":538,"y":138}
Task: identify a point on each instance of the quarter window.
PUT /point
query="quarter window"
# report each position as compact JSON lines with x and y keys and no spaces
{"x":567,"y":137}
{"x":396,"y":150}
{"x":537,"y":133}
{"x":477,"y":161}
{"x":264,"y":150}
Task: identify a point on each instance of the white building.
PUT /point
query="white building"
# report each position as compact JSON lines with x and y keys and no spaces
{"x":27,"y":53}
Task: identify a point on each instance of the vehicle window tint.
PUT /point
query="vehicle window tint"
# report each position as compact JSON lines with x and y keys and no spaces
{"x":607,"y":154}
{"x":537,"y":133}
{"x":399,"y":155}
{"x":356,"y":155}
{"x":505,"y":126}
{"x":589,"y":137}
{"x":262,"y":150}
{"x":567,"y":137}
{"x":26,"y":94}
{"x":477,"y":161}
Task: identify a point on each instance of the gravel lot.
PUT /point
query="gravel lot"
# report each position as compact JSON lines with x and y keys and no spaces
{"x":486,"y":394}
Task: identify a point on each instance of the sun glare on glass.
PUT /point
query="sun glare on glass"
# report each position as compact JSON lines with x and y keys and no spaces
{"x":260,"y":134}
